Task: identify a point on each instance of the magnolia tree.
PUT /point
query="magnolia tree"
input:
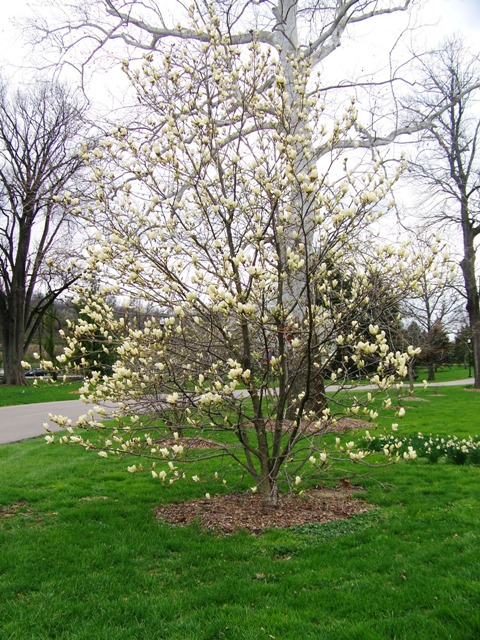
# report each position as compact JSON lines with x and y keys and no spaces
{"x":213,"y":211}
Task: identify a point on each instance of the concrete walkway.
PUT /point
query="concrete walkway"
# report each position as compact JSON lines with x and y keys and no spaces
{"x":24,"y":421}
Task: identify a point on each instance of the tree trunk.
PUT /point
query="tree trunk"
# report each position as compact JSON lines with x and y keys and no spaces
{"x":13,"y":338}
{"x":12,"y":357}
{"x":314,"y":402}
{"x":411,"y":377}
{"x":470,"y":279}
{"x":268,"y":489}
{"x":431,"y":372}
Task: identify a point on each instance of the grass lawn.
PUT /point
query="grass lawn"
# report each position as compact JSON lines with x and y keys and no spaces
{"x":82,"y":556}
{"x":444,"y":373}
{"x":43,"y":391}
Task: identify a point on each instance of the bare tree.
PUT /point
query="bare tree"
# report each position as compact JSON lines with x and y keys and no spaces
{"x":436,"y":302}
{"x":39,"y":160}
{"x":449,"y":162}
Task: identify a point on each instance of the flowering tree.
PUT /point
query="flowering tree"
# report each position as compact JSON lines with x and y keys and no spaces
{"x":213,"y":211}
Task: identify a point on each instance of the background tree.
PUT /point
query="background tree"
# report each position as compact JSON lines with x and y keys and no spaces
{"x":48,"y":342}
{"x":434,"y":305}
{"x":39,"y":161}
{"x":380,"y":308}
{"x":462,"y":348}
{"x":206,"y":210}
{"x":436,"y":349}
{"x":448,"y":161}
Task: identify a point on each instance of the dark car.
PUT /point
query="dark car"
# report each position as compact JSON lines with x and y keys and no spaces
{"x":35,"y":373}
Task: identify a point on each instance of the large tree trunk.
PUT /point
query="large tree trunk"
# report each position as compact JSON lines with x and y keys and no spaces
{"x":13,"y":354}
{"x":13,"y":330}
{"x":469,"y":277}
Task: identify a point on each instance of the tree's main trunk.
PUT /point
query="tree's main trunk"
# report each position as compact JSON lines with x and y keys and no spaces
{"x":14,"y":313}
{"x":431,"y":372}
{"x":13,"y":337}
{"x":267,"y":487}
{"x":470,"y":279}
{"x":298,"y":294}
{"x":13,"y":355}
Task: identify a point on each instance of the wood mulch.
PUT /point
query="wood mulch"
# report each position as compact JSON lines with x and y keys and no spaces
{"x":338,"y":426}
{"x":188,"y":443}
{"x":229,"y":513}
{"x":310,"y":428}
{"x":345,"y":424}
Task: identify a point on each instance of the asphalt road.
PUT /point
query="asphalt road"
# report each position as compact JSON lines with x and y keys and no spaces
{"x":24,"y":421}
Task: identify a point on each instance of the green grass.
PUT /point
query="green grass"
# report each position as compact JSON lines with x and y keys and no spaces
{"x":82,"y":555}
{"x":43,"y":391}
{"x":444,"y":373}
{"x":438,"y":410}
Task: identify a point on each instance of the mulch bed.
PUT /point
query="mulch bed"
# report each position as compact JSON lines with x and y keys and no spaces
{"x":339,"y":426}
{"x":346,"y":424}
{"x":188,"y":443}
{"x":229,"y":513}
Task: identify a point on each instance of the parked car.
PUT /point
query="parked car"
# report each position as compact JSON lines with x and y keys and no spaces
{"x":35,"y":373}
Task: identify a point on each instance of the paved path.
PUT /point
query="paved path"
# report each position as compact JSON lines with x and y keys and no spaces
{"x":26,"y":420}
